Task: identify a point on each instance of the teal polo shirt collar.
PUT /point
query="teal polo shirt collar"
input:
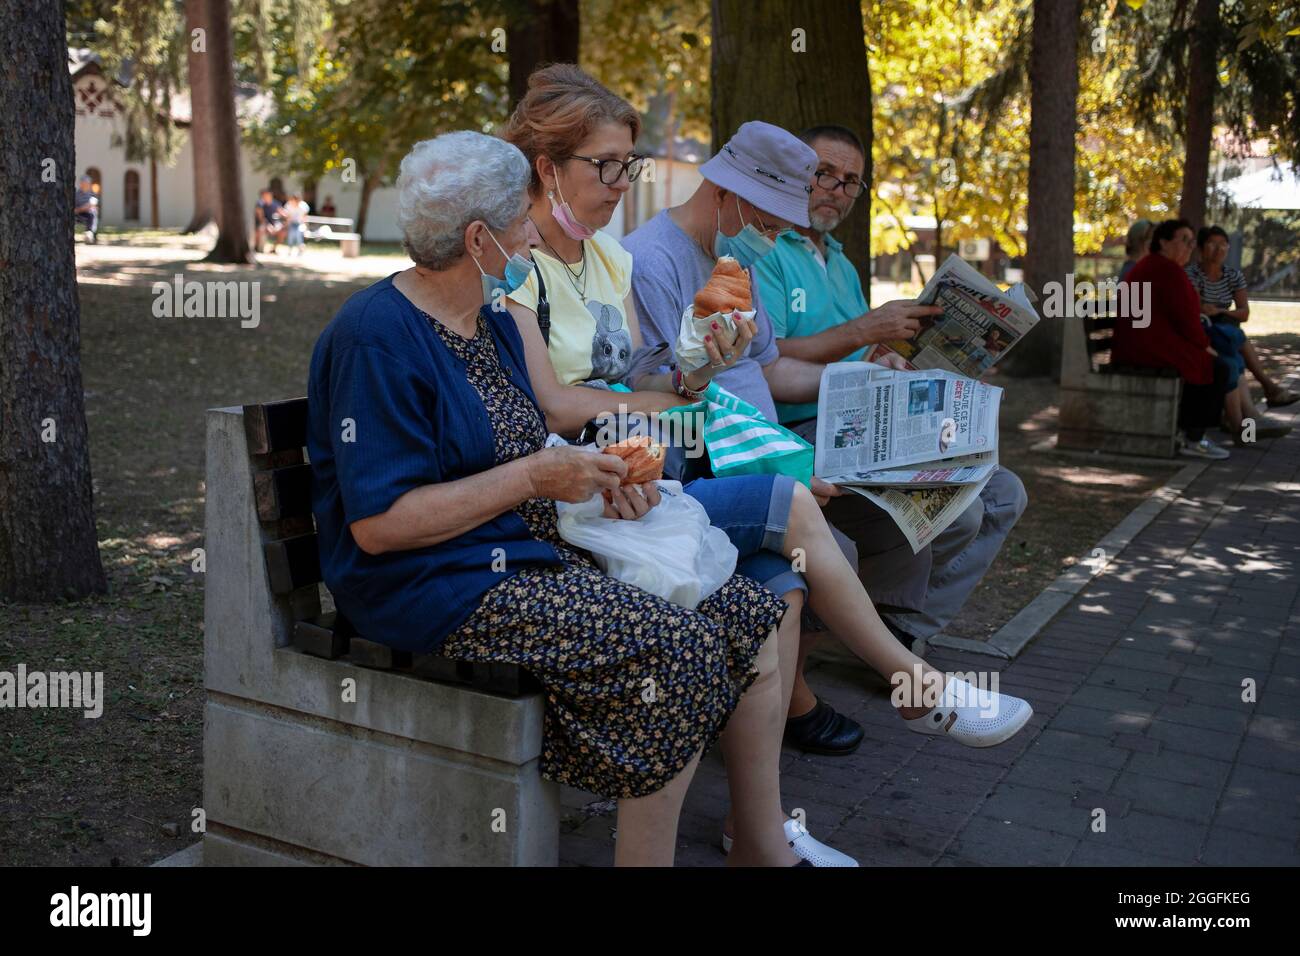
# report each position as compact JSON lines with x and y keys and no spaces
{"x":833,"y":295}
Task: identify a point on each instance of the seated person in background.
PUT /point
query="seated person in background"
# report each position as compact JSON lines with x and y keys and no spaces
{"x":1136,"y":244}
{"x":445,"y":472}
{"x":1225,"y":306}
{"x":85,"y":209}
{"x":760,"y":179}
{"x":327,"y":208}
{"x":268,"y":221}
{"x":1175,"y":337}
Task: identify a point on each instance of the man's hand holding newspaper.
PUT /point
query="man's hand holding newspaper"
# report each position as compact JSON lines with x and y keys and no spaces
{"x":922,"y":444}
{"x":976,"y":328}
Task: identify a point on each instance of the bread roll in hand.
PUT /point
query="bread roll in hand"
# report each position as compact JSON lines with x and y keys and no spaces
{"x":726,"y":291}
{"x":644,"y":457}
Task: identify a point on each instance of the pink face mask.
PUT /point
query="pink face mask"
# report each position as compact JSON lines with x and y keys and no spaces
{"x":564,"y":216}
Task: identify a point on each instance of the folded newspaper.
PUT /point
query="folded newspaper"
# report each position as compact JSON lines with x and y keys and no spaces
{"x":920,"y":444}
{"x":978,"y":326}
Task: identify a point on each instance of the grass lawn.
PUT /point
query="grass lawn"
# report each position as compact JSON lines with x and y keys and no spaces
{"x":74,"y":790}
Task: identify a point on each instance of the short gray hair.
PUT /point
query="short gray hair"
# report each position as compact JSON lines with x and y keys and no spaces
{"x":446,"y":183}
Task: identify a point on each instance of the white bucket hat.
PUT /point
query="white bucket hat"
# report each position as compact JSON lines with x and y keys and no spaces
{"x":768,"y":168}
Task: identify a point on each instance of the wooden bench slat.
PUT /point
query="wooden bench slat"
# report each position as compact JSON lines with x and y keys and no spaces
{"x":276,"y":426}
{"x":283,"y":493}
{"x":292,"y":563}
{"x":365,"y":653}
{"x":326,"y":636}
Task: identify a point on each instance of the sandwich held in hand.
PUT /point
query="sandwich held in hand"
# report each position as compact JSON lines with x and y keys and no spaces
{"x":644,"y":457}
{"x":726,"y":292}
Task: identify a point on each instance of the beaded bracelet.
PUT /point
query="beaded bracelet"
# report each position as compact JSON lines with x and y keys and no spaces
{"x":682,"y":389}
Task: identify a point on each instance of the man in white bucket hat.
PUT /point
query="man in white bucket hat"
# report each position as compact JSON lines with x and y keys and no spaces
{"x":757,"y":185}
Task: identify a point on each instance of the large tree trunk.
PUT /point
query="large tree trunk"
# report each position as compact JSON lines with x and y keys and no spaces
{"x":757,"y":75}
{"x":1053,"y":102}
{"x":201,"y":138}
{"x":48,"y":544}
{"x":232,"y":238}
{"x":546,"y":32}
{"x":1202,"y":74}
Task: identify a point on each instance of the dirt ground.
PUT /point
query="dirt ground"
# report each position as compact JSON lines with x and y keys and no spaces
{"x":103,"y":791}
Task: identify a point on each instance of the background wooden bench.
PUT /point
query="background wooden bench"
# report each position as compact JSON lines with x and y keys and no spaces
{"x":336,"y":229}
{"x":1126,"y":410}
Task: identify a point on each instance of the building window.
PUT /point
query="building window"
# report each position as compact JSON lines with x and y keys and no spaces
{"x":131,"y":195}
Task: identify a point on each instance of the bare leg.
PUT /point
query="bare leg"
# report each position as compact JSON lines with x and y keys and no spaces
{"x":802,"y":698}
{"x":788,"y":651}
{"x":647,"y":826}
{"x":1232,"y":410}
{"x":1257,"y":369}
{"x":836,"y":594}
{"x":751,"y":747}
{"x":1248,"y":409}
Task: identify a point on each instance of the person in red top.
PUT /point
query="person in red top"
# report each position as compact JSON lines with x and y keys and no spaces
{"x":1174,"y":336}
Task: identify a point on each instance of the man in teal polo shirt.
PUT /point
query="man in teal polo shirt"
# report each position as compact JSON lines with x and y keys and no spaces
{"x":814,"y":298}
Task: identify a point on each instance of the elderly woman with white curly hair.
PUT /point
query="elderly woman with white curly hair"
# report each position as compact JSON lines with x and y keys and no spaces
{"x":435,"y":500}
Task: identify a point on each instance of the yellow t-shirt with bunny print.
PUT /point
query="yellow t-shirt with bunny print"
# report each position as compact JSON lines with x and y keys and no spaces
{"x":589,"y":339}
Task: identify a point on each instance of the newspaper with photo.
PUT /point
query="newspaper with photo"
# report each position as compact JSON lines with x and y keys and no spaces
{"x":978,"y":326}
{"x":921,"y":445}
{"x":871,"y":418}
{"x":921,"y":513}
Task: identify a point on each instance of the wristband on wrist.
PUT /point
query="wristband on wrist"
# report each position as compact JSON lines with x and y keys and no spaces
{"x":684,"y":390}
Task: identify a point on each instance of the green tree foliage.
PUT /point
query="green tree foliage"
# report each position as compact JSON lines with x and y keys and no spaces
{"x":144,"y":45}
{"x":381,"y":75}
{"x":655,"y":49}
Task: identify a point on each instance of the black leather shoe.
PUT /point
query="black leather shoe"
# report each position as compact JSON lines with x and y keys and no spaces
{"x":824,"y":731}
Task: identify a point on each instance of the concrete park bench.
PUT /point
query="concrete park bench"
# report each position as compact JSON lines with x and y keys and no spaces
{"x":322,"y":227}
{"x":1128,"y":410}
{"x":321,"y":746}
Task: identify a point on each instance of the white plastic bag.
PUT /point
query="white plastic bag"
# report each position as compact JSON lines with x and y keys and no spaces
{"x":671,"y":551}
{"x":690,"y":336}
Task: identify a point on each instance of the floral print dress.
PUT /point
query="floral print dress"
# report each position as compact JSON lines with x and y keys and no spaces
{"x":635,"y":685}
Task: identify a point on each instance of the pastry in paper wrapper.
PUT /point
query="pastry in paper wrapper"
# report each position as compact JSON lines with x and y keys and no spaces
{"x":726,"y":291}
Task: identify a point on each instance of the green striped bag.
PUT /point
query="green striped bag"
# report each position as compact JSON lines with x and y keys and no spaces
{"x":740,"y":441}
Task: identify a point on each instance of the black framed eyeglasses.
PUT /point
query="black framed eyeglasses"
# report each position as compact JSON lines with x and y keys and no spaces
{"x":764,"y":172}
{"x":610,"y":170}
{"x":852,"y":188}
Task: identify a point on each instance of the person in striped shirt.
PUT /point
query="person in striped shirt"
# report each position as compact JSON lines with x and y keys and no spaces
{"x":1225,"y":305}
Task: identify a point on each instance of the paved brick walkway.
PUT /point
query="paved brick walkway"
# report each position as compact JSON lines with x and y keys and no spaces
{"x":1137,"y":693}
